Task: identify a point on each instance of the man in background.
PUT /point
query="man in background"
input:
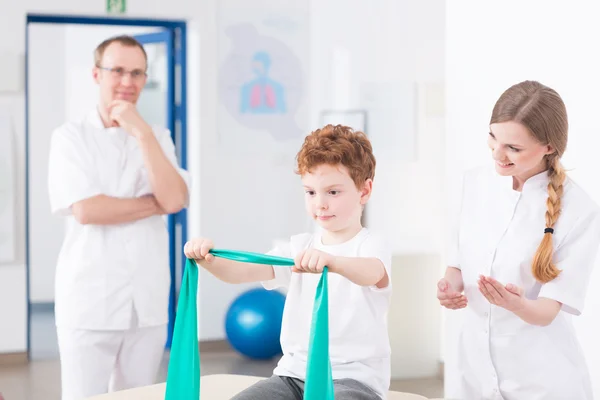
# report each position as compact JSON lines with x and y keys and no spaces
{"x":113,"y":177}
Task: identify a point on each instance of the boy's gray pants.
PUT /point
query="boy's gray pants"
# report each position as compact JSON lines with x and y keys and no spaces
{"x":286,"y":388}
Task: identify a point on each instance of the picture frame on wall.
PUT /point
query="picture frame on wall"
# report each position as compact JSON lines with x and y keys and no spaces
{"x":356,"y":119}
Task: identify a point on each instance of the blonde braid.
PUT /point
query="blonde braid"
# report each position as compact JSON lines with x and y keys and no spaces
{"x":543,"y":268}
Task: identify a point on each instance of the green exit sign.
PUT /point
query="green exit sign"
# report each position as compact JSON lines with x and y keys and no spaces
{"x":116,"y":6}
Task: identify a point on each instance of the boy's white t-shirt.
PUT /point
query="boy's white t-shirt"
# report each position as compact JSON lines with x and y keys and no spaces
{"x":359,"y":345}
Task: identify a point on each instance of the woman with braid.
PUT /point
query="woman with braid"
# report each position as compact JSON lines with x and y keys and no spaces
{"x":523,"y":250}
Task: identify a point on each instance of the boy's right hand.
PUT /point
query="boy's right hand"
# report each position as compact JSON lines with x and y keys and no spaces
{"x":198,"y":249}
{"x":448,"y":297}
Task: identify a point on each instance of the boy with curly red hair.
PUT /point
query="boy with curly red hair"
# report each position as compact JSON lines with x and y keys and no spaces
{"x":337,"y":167}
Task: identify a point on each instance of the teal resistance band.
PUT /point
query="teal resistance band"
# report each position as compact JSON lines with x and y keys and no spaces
{"x":183,"y":379}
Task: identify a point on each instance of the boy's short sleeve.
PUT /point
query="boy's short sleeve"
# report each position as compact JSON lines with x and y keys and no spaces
{"x":576,"y":258}
{"x":283,"y":275}
{"x":375,"y":246}
{"x":70,"y":176}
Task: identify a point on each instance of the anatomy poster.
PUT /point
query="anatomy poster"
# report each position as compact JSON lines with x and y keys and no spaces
{"x":263,"y":75}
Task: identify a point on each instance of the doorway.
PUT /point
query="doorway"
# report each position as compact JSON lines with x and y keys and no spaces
{"x":59,"y":87}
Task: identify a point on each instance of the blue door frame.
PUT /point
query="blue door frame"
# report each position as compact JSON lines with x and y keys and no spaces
{"x":177,"y":116}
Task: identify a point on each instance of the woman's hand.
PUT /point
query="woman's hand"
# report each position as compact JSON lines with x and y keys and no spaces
{"x":449,"y":297}
{"x":509,"y":297}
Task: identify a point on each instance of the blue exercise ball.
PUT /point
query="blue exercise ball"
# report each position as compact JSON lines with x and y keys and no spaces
{"x":253,"y":323}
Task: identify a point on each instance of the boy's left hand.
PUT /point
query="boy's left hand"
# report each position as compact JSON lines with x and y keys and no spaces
{"x":313,"y":261}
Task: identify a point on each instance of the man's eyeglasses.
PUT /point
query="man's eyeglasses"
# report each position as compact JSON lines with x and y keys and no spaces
{"x":119,"y":73}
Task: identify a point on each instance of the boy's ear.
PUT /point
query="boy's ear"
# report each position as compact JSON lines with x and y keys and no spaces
{"x":365,"y":194}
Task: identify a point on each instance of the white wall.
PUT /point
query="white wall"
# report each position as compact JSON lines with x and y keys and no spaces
{"x":393,"y":42}
{"x":13,"y":308}
{"x":47,"y":111}
{"x":492,"y":45}
{"x":414,"y":318}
